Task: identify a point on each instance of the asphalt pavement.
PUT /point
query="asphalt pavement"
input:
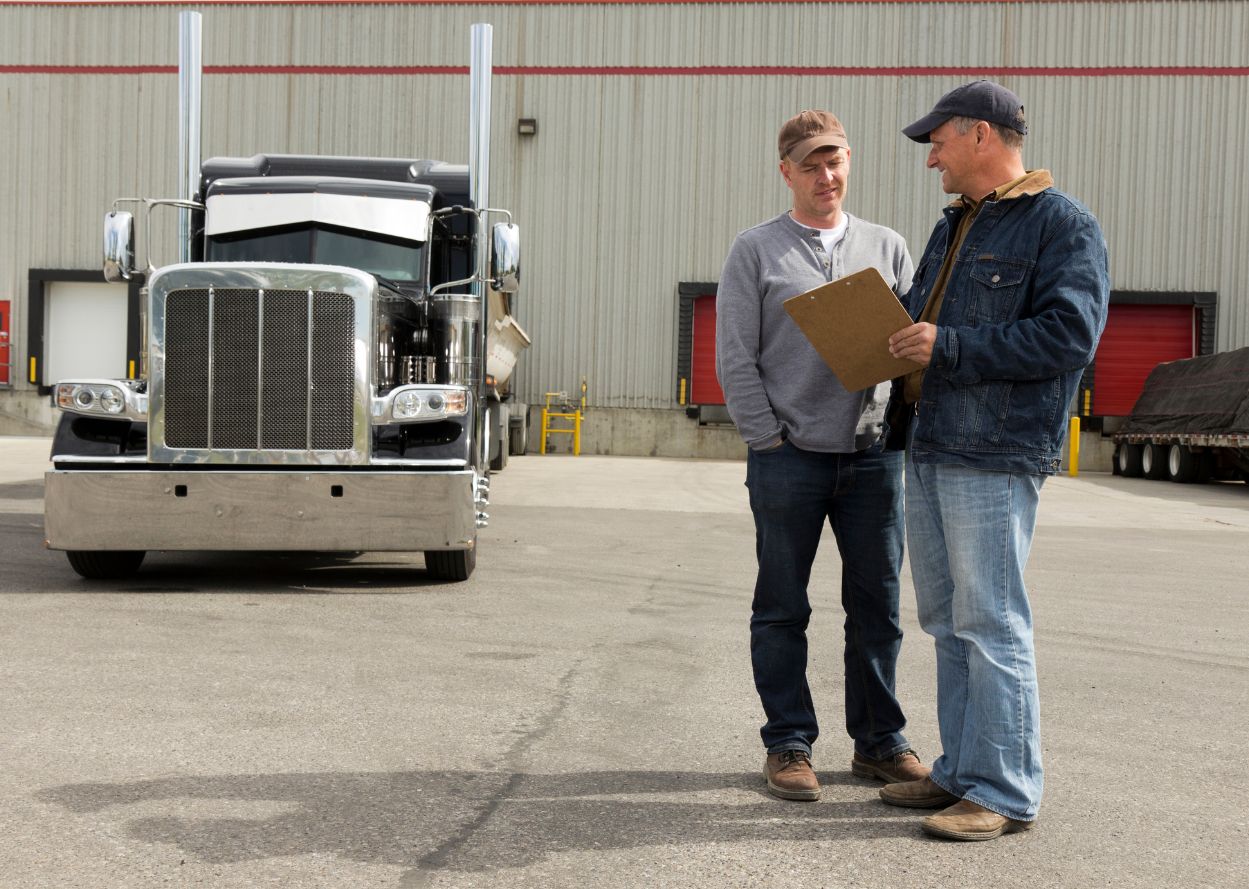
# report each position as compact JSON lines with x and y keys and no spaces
{"x":580,"y":713}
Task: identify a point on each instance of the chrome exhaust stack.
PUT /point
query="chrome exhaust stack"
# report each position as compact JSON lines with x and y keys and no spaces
{"x":480,"y":71}
{"x":190,"y":72}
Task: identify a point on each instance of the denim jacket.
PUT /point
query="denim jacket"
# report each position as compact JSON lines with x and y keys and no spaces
{"x":1023,"y":310}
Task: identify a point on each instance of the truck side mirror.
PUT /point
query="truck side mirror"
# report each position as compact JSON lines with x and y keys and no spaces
{"x":118,"y":245}
{"x":505,"y":258}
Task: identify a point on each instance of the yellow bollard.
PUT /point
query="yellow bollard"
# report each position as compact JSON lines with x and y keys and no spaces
{"x":1073,"y":461}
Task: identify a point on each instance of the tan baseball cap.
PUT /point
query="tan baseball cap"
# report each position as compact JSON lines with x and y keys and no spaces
{"x":807,"y":131}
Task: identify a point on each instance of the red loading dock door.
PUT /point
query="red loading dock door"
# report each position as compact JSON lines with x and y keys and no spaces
{"x":1137,"y":338}
{"x":704,"y":387}
{"x":4,"y":341}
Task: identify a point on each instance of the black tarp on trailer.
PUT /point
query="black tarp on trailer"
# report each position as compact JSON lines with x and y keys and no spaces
{"x":1208,"y":395}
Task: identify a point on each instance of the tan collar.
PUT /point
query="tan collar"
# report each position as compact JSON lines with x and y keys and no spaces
{"x":1030,"y":183}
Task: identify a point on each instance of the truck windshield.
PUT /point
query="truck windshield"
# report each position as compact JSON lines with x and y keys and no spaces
{"x":398,"y":260}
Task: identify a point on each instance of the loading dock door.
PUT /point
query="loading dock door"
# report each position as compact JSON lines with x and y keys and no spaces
{"x":704,"y":386}
{"x":84,"y":330}
{"x":1137,"y":339}
{"x":5,"y":325}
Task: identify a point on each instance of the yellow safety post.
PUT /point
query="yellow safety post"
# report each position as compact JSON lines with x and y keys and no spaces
{"x":576,"y":438}
{"x":1073,"y":461}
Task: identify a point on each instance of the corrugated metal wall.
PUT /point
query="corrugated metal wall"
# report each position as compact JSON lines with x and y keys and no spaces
{"x":637,"y":180}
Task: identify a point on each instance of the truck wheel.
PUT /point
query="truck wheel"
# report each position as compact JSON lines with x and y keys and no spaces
{"x":450,"y":564}
{"x":1154,"y":460}
{"x":496,"y":438}
{"x":498,"y":462}
{"x":1182,"y":464}
{"x":105,"y":565}
{"x":1128,"y":459}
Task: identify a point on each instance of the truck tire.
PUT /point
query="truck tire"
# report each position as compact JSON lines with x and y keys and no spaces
{"x":1154,"y":460}
{"x":496,"y":438}
{"x":450,"y":564}
{"x":498,"y":460}
{"x":1128,"y":460}
{"x":1183,"y":465}
{"x":105,"y":565}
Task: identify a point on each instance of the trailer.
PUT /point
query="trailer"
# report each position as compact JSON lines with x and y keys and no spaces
{"x":1191,"y":422}
{"x":324,"y":369}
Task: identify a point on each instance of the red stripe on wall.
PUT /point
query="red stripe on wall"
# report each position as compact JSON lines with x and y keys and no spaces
{"x":645,"y":71}
{"x":488,"y":3}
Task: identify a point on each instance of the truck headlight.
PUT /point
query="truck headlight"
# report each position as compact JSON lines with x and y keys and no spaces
{"x":407,"y":405}
{"x":420,"y":404}
{"x":107,"y":398}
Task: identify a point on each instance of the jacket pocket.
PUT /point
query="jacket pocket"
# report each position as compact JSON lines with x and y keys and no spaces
{"x":998,"y":287}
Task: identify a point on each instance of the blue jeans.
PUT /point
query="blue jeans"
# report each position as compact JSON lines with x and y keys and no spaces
{"x":969,"y":532}
{"x":792,"y":493}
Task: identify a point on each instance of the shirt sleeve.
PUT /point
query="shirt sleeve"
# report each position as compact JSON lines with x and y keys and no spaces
{"x":903,"y":271}
{"x":739,"y":309}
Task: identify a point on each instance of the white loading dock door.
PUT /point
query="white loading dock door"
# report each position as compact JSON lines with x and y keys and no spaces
{"x":84,"y":330}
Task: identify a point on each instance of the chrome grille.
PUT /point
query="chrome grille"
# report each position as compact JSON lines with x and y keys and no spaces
{"x":255,"y":369}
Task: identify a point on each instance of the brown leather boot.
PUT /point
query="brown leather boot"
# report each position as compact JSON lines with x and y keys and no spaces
{"x":790,"y":775}
{"x":966,"y":820}
{"x":921,"y":794}
{"x":904,"y":766}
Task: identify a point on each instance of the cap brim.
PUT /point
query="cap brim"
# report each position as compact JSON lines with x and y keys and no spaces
{"x":919,"y":130}
{"x":799,"y":152}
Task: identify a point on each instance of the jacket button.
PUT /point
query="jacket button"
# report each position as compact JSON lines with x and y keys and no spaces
{"x":996,"y":278}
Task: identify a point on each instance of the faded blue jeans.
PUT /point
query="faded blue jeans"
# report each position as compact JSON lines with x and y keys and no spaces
{"x":969,"y":532}
{"x":792,"y":493}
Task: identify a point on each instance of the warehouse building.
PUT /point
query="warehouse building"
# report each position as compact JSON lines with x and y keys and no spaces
{"x":632,"y":140}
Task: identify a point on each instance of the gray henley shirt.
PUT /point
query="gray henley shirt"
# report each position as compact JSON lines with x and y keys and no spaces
{"x":775,"y":383}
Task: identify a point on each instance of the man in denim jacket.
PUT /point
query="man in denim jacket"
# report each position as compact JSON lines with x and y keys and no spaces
{"x":1010,"y":297}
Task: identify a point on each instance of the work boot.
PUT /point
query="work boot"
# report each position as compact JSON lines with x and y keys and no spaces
{"x":966,"y":820}
{"x":921,"y":794}
{"x":904,"y":766}
{"x":790,"y":775}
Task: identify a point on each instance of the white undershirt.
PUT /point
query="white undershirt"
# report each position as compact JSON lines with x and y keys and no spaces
{"x":831,"y":237}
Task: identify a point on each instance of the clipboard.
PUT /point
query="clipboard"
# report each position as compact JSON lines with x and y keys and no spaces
{"x":849,"y":322}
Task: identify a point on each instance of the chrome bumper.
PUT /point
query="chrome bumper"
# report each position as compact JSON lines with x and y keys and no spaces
{"x":135,"y":509}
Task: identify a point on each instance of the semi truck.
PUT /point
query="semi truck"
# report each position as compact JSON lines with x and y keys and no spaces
{"x":1190,"y":423}
{"x":325,"y":368}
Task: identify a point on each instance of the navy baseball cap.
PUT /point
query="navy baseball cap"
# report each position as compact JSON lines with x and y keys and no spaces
{"x":979,"y":100}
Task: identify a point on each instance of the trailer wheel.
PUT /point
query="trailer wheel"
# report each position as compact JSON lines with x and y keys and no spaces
{"x":1128,"y":459}
{"x":105,"y":565}
{"x":450,"y":564}
{"x":1183,"y":465}
{"x":1154,"y":460}
{"x":518,"y":437}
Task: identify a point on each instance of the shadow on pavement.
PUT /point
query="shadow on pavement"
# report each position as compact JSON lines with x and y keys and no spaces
{"x":474,"y":821}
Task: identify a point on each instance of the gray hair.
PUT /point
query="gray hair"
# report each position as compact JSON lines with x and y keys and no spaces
{"x":1010,"y":138}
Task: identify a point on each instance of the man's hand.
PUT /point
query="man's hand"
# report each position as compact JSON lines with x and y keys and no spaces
{"x":914,"y":342}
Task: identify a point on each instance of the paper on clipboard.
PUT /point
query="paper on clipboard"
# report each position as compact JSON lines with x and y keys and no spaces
{"x":849,"y":321}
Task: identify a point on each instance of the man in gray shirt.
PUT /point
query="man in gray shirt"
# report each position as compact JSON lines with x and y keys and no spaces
{"x":815,"y":454}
